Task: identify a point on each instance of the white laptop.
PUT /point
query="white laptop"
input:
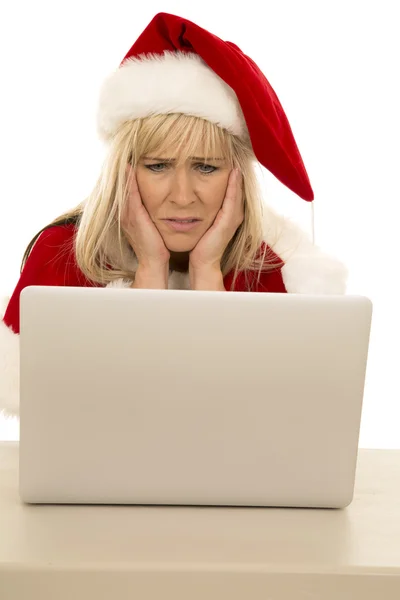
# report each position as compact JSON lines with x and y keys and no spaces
{"x":191,"y":398}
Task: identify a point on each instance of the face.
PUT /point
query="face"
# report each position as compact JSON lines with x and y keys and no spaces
{"x":183,"y":200}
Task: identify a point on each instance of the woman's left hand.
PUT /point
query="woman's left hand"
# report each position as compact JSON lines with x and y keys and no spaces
{"x":205,"y":258}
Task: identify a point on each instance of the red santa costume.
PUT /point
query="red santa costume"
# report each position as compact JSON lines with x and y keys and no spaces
{"x":177,"y":67}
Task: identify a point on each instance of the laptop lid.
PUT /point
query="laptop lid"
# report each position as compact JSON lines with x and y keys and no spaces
{"x":181,"y":397}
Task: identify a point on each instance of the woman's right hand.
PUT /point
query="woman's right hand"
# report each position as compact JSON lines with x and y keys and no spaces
{"x":151,"y":253}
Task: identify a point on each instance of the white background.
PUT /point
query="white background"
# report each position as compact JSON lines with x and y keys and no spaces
{"x":335,"y":68}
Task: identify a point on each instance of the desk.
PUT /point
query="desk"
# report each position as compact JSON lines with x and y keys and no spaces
{"x":144,"y":553}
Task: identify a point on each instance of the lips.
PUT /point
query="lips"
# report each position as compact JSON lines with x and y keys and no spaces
{"x":183,"y":225}
{"x":182,"y":220}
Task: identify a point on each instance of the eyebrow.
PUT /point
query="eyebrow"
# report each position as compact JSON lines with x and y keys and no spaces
{"x":200,"y":158}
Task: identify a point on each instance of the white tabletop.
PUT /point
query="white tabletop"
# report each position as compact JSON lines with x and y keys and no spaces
{"x":189,"y":553}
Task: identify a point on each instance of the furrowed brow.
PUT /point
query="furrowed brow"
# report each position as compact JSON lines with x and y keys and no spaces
{"x":199,"y":158}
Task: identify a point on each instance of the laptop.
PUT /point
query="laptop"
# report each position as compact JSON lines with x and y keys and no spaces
{"x":177,"y":397}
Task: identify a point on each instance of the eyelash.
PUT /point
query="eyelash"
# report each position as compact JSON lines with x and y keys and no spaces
{"x":151,"y":168}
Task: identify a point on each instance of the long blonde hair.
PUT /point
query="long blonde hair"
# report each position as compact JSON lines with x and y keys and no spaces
{"x":102,"y":251}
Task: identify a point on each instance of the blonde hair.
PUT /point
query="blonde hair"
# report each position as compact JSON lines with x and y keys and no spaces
{"x":102,"y":250}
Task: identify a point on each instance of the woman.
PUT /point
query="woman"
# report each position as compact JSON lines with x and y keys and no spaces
{"x":187,"y":118}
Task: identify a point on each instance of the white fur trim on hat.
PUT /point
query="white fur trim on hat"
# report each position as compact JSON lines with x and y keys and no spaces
{"x":307,"y":269}
{"x":174,"y":82}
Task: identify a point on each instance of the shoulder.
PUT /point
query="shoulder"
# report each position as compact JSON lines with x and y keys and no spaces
{"x":55,"y":238}
{"x":52,"y":255}
{"x":291,"y":262}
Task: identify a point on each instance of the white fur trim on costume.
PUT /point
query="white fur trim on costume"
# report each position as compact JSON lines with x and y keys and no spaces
{"x":174,"y":82}
{"x":9,"y":370}
{"x":307,"y":269}
{"x":120,"y":283}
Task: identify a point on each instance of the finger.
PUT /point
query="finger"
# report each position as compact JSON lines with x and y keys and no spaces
{"x":233,"y":201}
{"x":230,"y":210}
{"x":240,"y":199}
{"x":226,"y":216}
{"x":231,"y":189}
{"x":236,"y":213}
{"x":228,"y":204}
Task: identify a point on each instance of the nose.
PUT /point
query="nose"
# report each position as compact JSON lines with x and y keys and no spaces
{"x":182,"y":192}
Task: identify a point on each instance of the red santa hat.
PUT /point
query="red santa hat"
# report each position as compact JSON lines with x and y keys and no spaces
{"x":176,"y":66}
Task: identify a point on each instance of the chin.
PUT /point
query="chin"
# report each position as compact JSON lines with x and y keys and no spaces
{"x":180,"y":245}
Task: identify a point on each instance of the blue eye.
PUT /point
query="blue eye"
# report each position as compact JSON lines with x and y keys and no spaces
{"x":207,"y":167}
{"x":154,"y":167}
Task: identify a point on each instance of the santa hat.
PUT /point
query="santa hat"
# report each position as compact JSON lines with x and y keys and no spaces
{"x":175,"y":66}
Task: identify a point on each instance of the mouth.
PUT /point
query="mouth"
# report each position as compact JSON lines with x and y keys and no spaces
{"x":182,"y":224}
